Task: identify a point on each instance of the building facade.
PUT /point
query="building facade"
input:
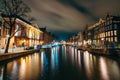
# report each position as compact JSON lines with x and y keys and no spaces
{"x":26,"y":34}
{"x":105,"y":32}
{"x":46,"y":37}
{"x":80,"y":38}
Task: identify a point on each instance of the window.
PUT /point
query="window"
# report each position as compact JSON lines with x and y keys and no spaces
{"x":110,"y":21}
{"x":102,"y":34}
{"x":111,"y":33}
{"x":115,"y":39}
{"x":7,"y":31}
{"x":27,"y":32}
{"x":115,"y":26}
{"x":106,"y":28}
{"x":112,"y":39}
{"x":110,"y":27}
{"x":109,"y":39}
{"x":23,"y":33}
{"x":106,"y":33}
{"x":98,"y":36}
{"x":18,"y":32}
{"x":6,"y":41}
{"x":115,"y":32}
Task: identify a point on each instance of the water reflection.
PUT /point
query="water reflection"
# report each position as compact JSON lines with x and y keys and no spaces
{"x":61,"y":63}
{"x":95,"y":67}
{"x":1,"y":73}
{"x":103,"y":69}
{"x":55,"y":58}
{"x":109,"y":69}
{"x":79,"y":59}
{"x":64,"y":52}
{"x":21,"y":69}
{"x":44,"y":65}
{"x":88,"y":65}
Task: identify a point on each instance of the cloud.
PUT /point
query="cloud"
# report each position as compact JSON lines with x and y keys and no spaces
{"x":100,"y":7}
{"x":70,"y":15}
{"x":58,"y":16}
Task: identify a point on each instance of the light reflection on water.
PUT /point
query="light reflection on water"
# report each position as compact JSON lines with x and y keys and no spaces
{"x":1,"y":73}
{"x":109,"y":69}
{"x":79,"y":59}
{"x":95,"y":67}
{"x":87,"y":63}
{"x":103,"y":69}
{"x":55,"y":58}
{"x":61,"y":63}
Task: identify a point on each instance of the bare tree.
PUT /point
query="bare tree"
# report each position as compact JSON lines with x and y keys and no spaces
{"x":10,"y":10}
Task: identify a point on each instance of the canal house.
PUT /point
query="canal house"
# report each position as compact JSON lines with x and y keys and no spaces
{"x":104,"y":33}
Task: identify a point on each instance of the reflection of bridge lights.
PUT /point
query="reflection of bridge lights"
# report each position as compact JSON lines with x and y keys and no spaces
{"x":42,"y":60}
{"x":54,"y":58}
{"x":56,"y":44}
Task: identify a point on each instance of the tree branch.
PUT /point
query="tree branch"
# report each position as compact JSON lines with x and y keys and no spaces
{"x":15,"y":32}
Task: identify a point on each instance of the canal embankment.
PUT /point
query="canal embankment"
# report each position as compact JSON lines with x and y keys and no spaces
{"x":8,"y":56}
{"x":112,"y":53}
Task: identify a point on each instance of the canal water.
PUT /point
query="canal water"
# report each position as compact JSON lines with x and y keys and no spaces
{"x":60,"y":63}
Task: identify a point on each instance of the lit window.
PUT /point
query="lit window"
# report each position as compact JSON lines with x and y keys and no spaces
{"x":115,"y":32}
{"x":100,"y":35}
{"x":106,"y":33}
{"x":18,"y":33}
{"x":115,"y":39}
{"x":106,"y":39}
{"x":112,"y":39}
{"x":111,"y":33}
{"x":109,"y":39}
{"x":103,"y":34}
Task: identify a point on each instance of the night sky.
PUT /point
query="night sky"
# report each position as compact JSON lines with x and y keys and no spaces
{"x":70,"y":16}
